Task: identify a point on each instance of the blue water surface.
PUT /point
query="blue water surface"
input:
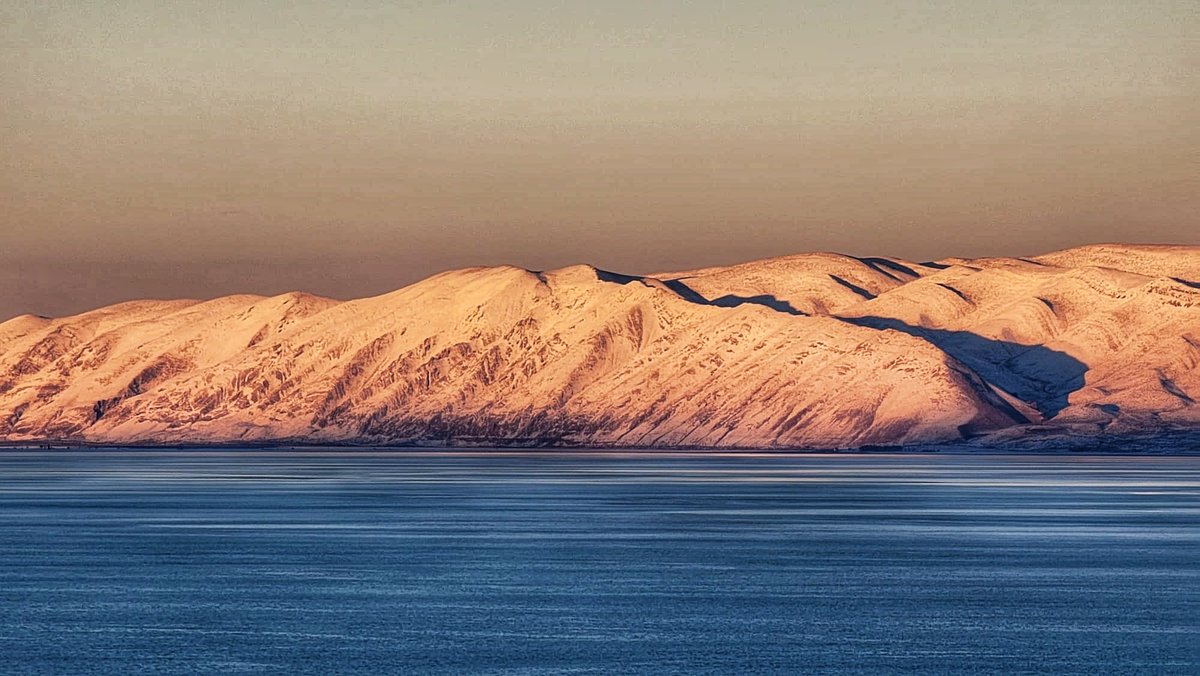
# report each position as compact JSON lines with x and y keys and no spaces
{"x":323,"y":561}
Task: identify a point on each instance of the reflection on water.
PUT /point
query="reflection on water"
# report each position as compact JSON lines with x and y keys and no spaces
{"x":291,"y":562}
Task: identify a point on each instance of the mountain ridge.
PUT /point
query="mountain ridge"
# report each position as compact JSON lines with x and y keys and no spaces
{"x":804,"y":351}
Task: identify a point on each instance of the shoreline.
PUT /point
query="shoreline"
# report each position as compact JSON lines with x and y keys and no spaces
{"x":1156,"y":448}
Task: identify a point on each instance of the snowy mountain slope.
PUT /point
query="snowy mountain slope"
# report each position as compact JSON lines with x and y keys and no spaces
{"x":815,"y":350}
{"x":1153,"y":260}
{"x":818,"y":283}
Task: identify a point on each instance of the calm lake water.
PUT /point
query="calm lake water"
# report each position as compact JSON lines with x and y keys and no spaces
{"x":342,"y":561}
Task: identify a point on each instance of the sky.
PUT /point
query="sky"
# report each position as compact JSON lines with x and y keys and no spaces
{"x":156,"y":149}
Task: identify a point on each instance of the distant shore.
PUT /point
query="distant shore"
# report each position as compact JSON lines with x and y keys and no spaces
{"x":1176,"y":444}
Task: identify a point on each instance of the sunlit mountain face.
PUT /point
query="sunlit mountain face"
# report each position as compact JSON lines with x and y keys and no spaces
{"x":806,"y":351}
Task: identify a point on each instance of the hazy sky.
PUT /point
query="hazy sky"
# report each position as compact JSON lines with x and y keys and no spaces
{"x":161,"y":149}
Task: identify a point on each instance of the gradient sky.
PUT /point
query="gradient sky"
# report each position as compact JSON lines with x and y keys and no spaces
{"x":162,"y":149}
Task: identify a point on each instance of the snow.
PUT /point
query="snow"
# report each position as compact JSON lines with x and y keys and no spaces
{"x":807,"y":351}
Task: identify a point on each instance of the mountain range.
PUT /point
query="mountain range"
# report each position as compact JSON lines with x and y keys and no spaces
{"x":820,"y":351}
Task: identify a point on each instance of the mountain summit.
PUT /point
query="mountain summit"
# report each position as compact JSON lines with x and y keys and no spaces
{"x":807,"y":351}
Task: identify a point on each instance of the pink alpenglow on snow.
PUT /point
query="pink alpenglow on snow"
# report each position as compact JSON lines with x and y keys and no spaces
{"x":806,"y":351}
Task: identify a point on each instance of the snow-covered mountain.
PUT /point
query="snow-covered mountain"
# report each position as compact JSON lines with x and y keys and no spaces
{"x":814,"y":350}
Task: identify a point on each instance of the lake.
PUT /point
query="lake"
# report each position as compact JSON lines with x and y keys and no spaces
{"x":321,"y":561}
